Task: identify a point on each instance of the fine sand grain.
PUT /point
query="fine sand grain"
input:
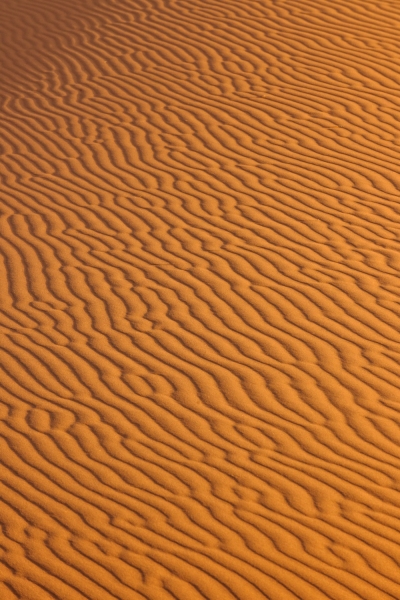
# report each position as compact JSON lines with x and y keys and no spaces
{"x":200,"y":300}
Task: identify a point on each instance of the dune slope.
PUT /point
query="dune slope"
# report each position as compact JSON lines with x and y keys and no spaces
{"x":199,"y":300}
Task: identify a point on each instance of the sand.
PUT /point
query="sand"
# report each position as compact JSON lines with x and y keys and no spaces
{"x":200,"y":315}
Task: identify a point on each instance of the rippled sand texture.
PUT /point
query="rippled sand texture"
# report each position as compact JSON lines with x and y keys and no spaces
{"x":200,"y":317}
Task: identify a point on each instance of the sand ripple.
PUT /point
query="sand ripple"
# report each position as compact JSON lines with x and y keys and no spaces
{"x":200,"y":317}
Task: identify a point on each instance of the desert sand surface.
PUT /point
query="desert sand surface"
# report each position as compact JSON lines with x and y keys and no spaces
{"x":200,"y":300}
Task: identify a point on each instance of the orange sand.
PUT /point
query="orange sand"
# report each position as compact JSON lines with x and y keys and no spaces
{"x":200,"y":315}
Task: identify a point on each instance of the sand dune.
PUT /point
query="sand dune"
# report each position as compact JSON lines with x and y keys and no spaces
{"x":200,"y":315}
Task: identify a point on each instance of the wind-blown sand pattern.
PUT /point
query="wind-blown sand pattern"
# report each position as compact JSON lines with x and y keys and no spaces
{"x":200,"y":314}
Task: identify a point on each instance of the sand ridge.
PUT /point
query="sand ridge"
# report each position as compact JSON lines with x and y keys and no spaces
{"x":199,"y":300}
